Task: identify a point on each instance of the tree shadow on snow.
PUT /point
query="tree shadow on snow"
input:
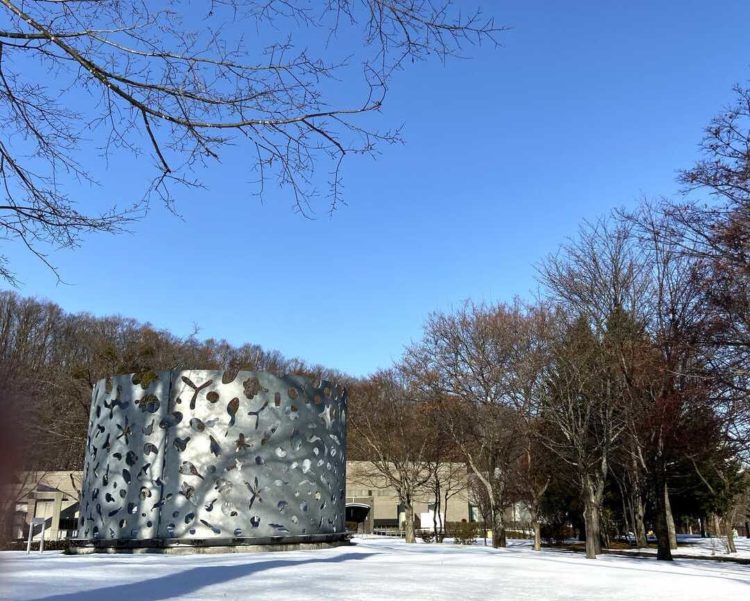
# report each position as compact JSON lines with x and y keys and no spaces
{"x":649,"y":565}
{"x":190,"y":580}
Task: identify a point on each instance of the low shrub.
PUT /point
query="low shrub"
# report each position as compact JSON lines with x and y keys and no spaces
{"x":427,"y":536}
{"x":555,"y":531}
{"x":464,"y":533}
{"x":49,"y":545}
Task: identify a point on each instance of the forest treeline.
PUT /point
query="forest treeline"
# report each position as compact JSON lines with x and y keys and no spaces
{"x":50,"y":361}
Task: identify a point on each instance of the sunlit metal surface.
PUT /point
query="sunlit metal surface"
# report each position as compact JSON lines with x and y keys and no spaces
{"x":196,"y":455}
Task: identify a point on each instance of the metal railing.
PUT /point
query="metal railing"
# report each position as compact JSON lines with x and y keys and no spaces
{"x":384,"y":531}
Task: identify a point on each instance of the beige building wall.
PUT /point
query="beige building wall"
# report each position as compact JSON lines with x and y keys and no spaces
{"x":365,"y":485}
{"x":49,"y":495}
{"x":55,"y":494}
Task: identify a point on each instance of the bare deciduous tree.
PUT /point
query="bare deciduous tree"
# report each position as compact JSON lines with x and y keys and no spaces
{"x":468,"y":360}
{"x":586,"y":423}
{"x":600,"y":284}
{"x":448,"y":479}
{"x":448,"y":472}
{"x":388,"y":425}
{"x":180,"y":83}
{"x":717,"y":234}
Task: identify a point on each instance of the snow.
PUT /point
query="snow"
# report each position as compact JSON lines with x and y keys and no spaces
{"x":695,"y":546}
{"x":372,"y":569}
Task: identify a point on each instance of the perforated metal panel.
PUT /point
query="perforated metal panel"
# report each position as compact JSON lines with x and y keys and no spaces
{"x":212,"y":455}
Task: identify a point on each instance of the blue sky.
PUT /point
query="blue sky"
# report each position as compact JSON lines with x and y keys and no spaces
{"x":587,"y":106}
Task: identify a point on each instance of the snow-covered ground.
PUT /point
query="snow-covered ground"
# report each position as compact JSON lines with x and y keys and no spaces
{"x":373,"y":569}
{"x":695,"y":546}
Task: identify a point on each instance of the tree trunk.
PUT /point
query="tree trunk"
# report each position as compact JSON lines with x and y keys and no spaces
{"x":495,"y":505}
{"x":591,"y":518}
{"x":436,"y":514}
{"x":445,"y":518}
{"x":731,"y":547}
{"x":670,"y":520}
{"x":640,"y":526}
{"x":664,"y":551}
{"x":636,"y":500}
{"x":498,"y":528}
{"x":727,"y":522}
{"x":409,"y":534}
{"x":537,"y":534}
{"x":627,"y":516}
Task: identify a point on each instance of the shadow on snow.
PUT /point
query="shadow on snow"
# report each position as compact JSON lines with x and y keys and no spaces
{"x":187,"y":581}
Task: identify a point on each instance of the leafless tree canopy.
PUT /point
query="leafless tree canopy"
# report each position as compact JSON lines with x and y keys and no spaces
{"x":177,"y":81}
{"x":478,"y":365}
{"x":724,"y":168}
{"x":389,"y":430}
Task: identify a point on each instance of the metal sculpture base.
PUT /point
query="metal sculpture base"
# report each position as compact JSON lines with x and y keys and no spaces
{"x":210,"y":546}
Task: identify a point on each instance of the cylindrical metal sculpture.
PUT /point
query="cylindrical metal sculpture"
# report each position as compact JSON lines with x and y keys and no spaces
{"x":210,"y":458}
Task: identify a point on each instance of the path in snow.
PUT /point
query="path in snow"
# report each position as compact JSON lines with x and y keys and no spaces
{"x":370,"y":570}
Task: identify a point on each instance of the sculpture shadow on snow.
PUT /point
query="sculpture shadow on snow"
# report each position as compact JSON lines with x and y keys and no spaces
{"x":190,"y":580}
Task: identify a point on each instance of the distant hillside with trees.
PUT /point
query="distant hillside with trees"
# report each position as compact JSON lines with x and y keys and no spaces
{"x":50,"y":361}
